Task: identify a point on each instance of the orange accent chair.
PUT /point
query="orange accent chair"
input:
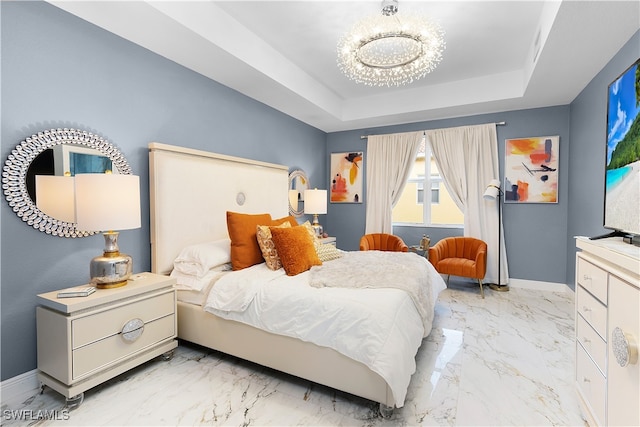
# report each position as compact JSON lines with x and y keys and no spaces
{"x":382,"y":242}
{"x":460,"y":256}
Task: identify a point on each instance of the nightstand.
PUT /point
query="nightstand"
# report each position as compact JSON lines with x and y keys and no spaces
{"x":85,"y":341}
{"x":328,"y":241}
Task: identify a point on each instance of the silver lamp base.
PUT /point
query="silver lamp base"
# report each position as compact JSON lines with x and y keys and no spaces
{"x":316,"y":226}
{"x":112,"y":269}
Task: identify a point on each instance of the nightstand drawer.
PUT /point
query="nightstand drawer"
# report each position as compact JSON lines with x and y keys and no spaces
{"x":96,"y":327}
{"x":110,"y":350}
{"x":591,"y":383}
{"x":592,"y":311}
{"x":594,"y":345}
{"x":593,"y":279}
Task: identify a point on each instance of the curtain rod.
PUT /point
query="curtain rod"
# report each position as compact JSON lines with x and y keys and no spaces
{"x":497,"y":124}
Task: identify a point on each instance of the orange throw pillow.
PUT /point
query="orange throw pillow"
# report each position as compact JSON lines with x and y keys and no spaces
{"x":267,"y":247}
{"x":292,"y":220}
{"x":295,"y":249}
{"x":245,"y":251}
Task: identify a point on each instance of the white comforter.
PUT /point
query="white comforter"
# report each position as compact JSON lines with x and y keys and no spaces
{"x":380,"y":328}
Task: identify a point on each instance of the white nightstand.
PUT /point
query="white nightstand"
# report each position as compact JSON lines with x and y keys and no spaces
{"x":328,"y":241}
{"x":85,"y":341}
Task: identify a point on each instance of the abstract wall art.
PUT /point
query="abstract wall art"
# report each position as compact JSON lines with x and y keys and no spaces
{"x":347,"y":170}
{"x":531,"y":170}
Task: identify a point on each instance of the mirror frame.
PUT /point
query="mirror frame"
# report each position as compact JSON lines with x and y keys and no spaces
{"x":293,"y":175}
{"x":14,"y":175}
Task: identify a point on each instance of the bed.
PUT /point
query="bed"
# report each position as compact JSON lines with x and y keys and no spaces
{"x":191,"y":192}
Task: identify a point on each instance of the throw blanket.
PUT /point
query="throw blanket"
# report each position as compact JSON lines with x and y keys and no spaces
{"x":401,"y":270}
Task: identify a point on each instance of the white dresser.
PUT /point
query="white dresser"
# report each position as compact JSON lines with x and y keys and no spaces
{"x":608,"y":331}
{"x":85,"y":341}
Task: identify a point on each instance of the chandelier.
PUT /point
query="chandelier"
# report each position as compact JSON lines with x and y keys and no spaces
{"x":390,"y":49}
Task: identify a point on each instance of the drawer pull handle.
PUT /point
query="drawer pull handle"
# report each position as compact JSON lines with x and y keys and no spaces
{"x":586,"y":380}
{"x":586,"y":309}
{"x":132,"y":330}
{"x":586,"y":277}
{"x":586,"y":340}
{"x":624,"y":347}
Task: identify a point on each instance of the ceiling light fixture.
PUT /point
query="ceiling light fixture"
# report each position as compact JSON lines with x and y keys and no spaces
{"x":390,"y":49}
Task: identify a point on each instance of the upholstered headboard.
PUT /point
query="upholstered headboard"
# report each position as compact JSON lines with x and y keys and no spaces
{"x":191,"y":191}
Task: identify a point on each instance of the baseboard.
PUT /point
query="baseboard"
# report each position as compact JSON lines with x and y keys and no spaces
{"x":539,"y":286}
{"x":18,"y":386}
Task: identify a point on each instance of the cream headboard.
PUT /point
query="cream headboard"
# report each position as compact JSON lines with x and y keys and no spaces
{"x":191,"y":191}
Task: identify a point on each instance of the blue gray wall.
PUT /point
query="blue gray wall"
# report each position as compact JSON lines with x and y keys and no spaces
{"x":530,"y":229}
{"x":60,"y":71}
{"x":587,"y":160}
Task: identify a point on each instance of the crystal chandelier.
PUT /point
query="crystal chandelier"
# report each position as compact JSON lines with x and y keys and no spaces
{"x":390,"y":49}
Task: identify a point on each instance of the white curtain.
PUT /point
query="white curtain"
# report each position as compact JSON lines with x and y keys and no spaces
{"x":389,"y":161}
{"x":467,"y":158}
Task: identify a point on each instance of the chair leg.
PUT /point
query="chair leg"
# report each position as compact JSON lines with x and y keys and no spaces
{"x":481,"y":289}
{"x":448,"y":275}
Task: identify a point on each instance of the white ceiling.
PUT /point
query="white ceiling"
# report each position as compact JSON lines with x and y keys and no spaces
{"x":283,"y":53}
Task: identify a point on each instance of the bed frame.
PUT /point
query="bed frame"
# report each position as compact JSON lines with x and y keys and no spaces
{"x":190,"y":192}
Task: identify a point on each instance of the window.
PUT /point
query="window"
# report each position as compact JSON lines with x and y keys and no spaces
{"x":433,"y":208}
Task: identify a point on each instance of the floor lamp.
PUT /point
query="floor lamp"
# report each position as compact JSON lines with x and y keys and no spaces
{"x":493,"y":192}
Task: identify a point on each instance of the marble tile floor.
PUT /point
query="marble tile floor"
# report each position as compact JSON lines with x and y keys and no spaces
{"x":504,"y":360}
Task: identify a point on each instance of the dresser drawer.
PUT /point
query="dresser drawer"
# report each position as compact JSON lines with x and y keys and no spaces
{"x":592,"y":311}
{"x":594,"y":345}
{"x":98,"y":326}
{"x":592,"y":278}
{"x":111,"y":350}
{"x":623,"y":381}
{"x":591,"y":384}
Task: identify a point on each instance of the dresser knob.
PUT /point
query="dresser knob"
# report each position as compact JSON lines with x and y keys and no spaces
{"x":132,"y":330}
{"x":586,"y":380}
{"x":586,"y":340}
{"x":624,"y":347}
{"x":586,"y":277}
{"x":586,"y":309}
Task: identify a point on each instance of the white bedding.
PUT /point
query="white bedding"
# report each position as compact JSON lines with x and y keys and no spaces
{"x":380,"y":328}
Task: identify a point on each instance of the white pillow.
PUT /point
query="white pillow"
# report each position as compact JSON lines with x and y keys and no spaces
{"x":189,"y":282}
{"x":197,"y":260}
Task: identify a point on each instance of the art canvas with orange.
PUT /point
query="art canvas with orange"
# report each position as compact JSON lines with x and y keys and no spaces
{"x":346,"y":177}
{"x":531,"y":170}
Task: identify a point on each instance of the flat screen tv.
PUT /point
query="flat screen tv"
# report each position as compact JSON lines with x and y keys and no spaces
{"x":622,"y":172}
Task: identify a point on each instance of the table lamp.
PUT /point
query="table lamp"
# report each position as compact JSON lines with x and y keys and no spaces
{"x":315,"y":202}
{"x":108,"y":202}
{"x":55,"y":196}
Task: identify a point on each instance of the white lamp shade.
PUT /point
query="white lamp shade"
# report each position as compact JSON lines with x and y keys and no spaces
{"x":315,"y":201}
{"x":55,"y":196}
{"x":492,"y":191}
{"x":106,"y":202}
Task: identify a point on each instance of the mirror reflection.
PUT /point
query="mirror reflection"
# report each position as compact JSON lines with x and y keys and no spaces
{"x":298,"y":182}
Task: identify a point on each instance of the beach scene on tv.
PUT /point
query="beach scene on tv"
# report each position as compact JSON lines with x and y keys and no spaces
{"x":622,"y":208}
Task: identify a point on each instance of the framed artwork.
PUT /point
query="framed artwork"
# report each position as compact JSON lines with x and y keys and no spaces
{"x":347,"y":170}
{"x":531,"y":170}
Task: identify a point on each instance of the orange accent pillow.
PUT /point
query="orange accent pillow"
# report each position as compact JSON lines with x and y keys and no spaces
{"x":245,"y":251}
{"x":292,"y":220}
{"x":295,"y":249}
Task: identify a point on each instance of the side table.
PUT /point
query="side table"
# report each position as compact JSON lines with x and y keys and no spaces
{"x":84,"y":341}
